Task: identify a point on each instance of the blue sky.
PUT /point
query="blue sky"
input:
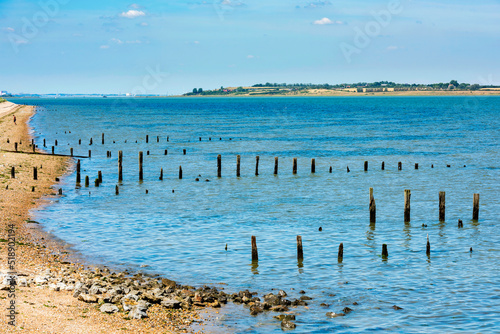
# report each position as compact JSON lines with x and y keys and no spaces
{"x":170,"y":47}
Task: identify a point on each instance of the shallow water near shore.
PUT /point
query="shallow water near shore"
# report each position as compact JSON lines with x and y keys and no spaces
{"x":183,"y":234}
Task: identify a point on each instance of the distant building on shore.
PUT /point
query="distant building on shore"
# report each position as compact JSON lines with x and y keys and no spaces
{"x":4,"y":93}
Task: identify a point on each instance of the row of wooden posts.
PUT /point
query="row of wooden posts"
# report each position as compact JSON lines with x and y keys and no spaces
{"x":340,"y":256}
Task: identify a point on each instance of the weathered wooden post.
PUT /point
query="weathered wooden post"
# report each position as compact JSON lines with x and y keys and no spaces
{"x":383,"y":165}
{"x":348,"y":170}
{"x":71,"y":151}
{"x":255,"y":254}
{"x":331,"y":169}
{"x":117,"y":190}
{"x":99,"y":175}
{"x":428,"y":248}
{"x":96,"y":182}
{"x":13,"y":172}
{"x":275,"y":165}
{"x":79,"y":142}
{"x":34,"y":148}
{"x":60,"y":192}
{"x":341,"y":252}
{"x":385,"y":253}
{"x":442,"y":206}
{"x":416,"y":165}
{"x":460,"y":224}
{"x":157,"y":139}
{"x":44,"y":145}
{"x":180,"y":172}
{"x":141,"y":176}
{"x":238,"y":161}
{"x":87,"y":181}
{"x":90,"y":154}
{"x":120,"y":166}
{"x":475,"y":207}
{"x":366,"y":166}
{"x":184,"y":151}
{"x":219,"y":166}
{"x":200,"y":138}
{"x":52,"y":150}
{"x":78,"y":177}
{"x":91,"y":141}
{"x":55,"y":143}
{"x":400,"y":166}
{"x":300,"y":253}
{"x":256,"y":165}
{"x":294,"y":165}
{"x":313,"y":165}
{"x":166,"y":152}
{"x":35,"y":173}
{"x":373,"y":208}
{"x":147,"y":139}
{"x":15,"y":147}
{"x":407,"y":205}
{"x":103,"y":138}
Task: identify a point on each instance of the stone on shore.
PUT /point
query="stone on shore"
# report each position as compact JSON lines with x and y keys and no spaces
{"x":87,"y":298}
{"x":108,"y":308}
{"x":171,"y":303}
{"x":287,"y":324}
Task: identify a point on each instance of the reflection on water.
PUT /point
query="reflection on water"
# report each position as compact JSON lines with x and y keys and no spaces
{"x":183,"y":233}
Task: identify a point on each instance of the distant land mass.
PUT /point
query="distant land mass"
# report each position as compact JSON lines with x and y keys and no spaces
{"x":360,"y":88}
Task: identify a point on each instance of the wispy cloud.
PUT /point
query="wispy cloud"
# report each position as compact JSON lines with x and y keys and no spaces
{"x":326,"y":20}
{"x":250,"y":56}
{"x":8,"y":29}
{"x":116,"y":40}
{"x":316,"y":4}
{"x":144,"y":24}
{"x":104,"y":47}
{"x":135,"y":6}
{"x":132,"y":14}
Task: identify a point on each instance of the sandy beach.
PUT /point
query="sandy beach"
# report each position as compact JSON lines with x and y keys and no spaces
{"x":40,"y":308}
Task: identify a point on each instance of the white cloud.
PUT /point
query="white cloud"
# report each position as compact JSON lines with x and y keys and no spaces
{"x":116,"y":40}
{"x":9,"y":29}
{"x":135,"y":6}
{"x":144,"y":24}
{"x":134,"y":42}
{"x":196,"y":42}
{"x":104,"y":46}
{"x":250,"y":56}
{"x":132,"y":14}
{"x":392,"y":48}
{"x":326,"y":20}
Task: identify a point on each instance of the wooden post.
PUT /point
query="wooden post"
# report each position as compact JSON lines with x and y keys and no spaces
{"x":52,"y":149}
{"x":400,"y":166}
{"x":15,"y":146}
{"x":300,"y":253}
{"x":383,"y":165}
{"x":475,"y":207}
{"x":55,"y":143}
{"x":313,"y":166}
{"x":442,"y":206}
{"x":91,"y":141}
{"x":294,"y":165}
{"x":140,"y":166}
{"x":79,"y":142}
{"x":161,"y":174}
{"x":13,"y":172}
{"x":87,"y":181}
{"x":157,"y":139}
{"x":166,"y":152}
{"x":117,"y":190}
{"x":219,"y":166}
{"x":460,"y":224}
{"x":184,"y":151}
{"x":256,"y":165}
{"x":35,"y":173}
{"x":200,"y":138}
{"x":366,"y":166}
{"x":407,"y":205}
{"x":348,"y":170}
{"x":99,"y":175}
{"x":34,"y":147}
{"x":330,"y":169}
{"x":341,"y":253}
{"x":96,"y":182}
{"x":60,"y":192}
{"x":120,"y":166}
{"x":275,"y":165}
{"x":238,"y":161}
{"x":71,"y":151}
{"x":44,"y":143}
{"x":180,"y":172}
{"x":78,"y":177}
{"x":416,"y":165}
{"x":428,"y":248}
{"x":90,"y":154}
{"x":373,"y":207}
{"x":385,"y":253}
{"x":147,"y":139}
{"x":255,"y":254}
{"x":103,"y":138}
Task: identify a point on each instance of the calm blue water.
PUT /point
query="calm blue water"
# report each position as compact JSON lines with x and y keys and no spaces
{"x":183,"y":234}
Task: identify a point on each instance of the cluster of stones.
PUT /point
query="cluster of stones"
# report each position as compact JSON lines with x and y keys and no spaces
{"x":134,"y":294}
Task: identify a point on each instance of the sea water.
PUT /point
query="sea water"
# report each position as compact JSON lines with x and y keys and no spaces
{"x":180,"y":227}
